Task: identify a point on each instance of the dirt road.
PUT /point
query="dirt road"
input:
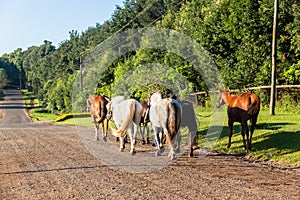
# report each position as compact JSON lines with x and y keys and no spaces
{"x":40,"y":161}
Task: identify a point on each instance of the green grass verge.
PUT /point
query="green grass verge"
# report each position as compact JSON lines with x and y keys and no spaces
{"x":36,"y":111}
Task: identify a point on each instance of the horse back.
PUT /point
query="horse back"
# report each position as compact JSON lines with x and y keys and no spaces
{"x":247,"y":102}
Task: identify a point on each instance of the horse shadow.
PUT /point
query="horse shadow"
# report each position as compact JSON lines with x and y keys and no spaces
{"x":284,"y":141}
{"x":271,"y":126}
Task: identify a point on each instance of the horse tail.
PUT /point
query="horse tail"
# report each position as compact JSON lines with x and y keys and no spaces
{"x":254,"y":105}
{"x":123,"y":129}
{"x":172,"y":125}
{"x":102,"y":109}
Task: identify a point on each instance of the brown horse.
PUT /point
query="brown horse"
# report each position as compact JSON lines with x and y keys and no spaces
{"x":144,"y":123}
{"x":97,"y":107}
{"x":241,"y":108}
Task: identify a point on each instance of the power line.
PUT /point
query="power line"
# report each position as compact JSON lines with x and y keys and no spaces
{"x":151,"y":23}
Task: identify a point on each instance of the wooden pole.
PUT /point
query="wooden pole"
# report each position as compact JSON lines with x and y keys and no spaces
{"x":274,"y":55}
{"x":80,"y":71}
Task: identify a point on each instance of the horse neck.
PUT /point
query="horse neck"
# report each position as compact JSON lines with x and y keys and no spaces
{"x":227,"y":97}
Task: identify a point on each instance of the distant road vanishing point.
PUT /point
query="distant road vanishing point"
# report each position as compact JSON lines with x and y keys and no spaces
{"x":13,"y":109}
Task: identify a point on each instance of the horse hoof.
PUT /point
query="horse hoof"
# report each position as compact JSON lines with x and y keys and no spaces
{"x":172,"y":156}
{"x":147,"y":141}
{"x":191,"y":154}
{"x":104,"y":139}
{"x":177,"y":150}
{"x":157,"y":153}
{"x":97,"y":139}
{"x":122,"y":150}
{"x":133,"y":152}
{"x":143,"y":142}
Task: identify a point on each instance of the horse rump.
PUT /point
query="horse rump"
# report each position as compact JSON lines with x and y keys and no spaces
{"x":122,"y":131}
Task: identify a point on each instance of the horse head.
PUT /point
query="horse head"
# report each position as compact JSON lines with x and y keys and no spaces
{"x":154,"y":98}
{"x":220,"y":99}
{"x":89,"y":101}
{"x":109,"y":110}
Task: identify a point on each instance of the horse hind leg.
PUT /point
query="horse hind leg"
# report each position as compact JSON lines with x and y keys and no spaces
{"x":156,"y":131}
{"x":122,"y":144}
{"x":245,"y":131}
{"x":147,"y":137}
{"x":132,"y":144}
{"x":230,"y":124}
{"x":191,"y":142}
{"x":103,"y":132}
{"x":96,"y":126}
{"x":177,"y":142}
{"x":253,"y":124}
{"x":96,"y":134}
{"x":172,"y":153}
{"x":132,"y":134}
{"x":142,"y":132}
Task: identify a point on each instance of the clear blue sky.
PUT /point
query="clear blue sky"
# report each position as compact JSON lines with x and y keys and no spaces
{"x":25,"y":23}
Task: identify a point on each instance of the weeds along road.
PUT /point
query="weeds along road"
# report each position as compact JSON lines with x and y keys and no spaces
{"x":42,"y":161}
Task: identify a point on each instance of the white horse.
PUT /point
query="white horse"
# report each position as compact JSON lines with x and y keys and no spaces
{"x":126,"y":114}
{"x":165,"y":116}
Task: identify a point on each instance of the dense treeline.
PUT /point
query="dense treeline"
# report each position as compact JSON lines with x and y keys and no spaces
{"x":237,"y":34}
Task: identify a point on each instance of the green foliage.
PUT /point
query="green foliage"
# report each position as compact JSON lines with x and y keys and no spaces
{"x":10,"y":70}
{"x":237,"y":34}
{"x":3,"y":78}
{"x":292,"y":75}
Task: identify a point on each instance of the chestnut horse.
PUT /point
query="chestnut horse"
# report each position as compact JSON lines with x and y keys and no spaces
{"x":96,"y":105}
{"x":144,"y":123}
{"x":241,"y":108}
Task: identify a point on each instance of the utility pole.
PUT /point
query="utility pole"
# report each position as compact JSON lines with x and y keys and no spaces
{"x":20,"y":81}
{"x":80,"y":71}
{"x":274,"y":55}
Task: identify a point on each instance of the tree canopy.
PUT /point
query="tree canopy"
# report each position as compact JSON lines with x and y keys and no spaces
{"x":237,"y":34}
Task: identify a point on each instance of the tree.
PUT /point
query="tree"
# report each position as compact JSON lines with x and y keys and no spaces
{"x":3,"y":78}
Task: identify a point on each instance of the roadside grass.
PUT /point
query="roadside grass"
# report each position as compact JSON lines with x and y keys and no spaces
{"x":36,"y":111}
